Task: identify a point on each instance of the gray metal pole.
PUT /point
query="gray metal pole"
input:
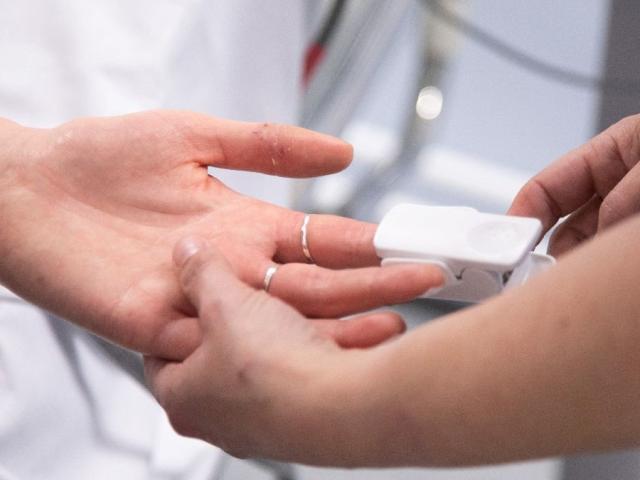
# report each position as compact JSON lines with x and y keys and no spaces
{"x":622,"y":60}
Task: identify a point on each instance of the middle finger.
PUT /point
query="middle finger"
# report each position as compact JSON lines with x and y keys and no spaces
{"x":320,"y":292}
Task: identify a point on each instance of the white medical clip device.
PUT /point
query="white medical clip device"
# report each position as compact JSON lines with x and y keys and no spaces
{"x":480,"y":254}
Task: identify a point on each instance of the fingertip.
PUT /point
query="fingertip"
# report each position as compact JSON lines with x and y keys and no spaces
{"x":187,"y":248}
{"x":338,"y":152}
{"x":522,"y":205}
{"x":371,"y":330}
{"x":348,"y":151}
{"x":391,"y":323}
{"x":337,"y":143}
{"x":433,"y":275}
{"x":425,"y":275}
{"x":400,"y":324}
{"x":409,"y":281}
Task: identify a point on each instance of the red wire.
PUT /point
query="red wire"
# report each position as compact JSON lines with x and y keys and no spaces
{"x":315,"y":54}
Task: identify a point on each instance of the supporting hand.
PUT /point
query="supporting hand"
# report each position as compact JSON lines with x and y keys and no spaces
{"x":90,"y":211}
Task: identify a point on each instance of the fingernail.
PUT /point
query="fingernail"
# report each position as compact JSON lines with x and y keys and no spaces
{"x":186,"y":248}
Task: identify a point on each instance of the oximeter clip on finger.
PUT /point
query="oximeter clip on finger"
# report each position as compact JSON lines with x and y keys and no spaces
{"x":480,"y":254}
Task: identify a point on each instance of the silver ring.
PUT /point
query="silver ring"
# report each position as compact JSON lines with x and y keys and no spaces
{"x":304,"y":239}
{"x":268,"y":276}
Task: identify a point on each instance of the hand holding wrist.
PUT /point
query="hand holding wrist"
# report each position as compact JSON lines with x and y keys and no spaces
{"x":265,"y":381}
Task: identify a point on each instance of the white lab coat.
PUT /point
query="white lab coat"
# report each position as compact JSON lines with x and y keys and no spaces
{"x":65,"y":411}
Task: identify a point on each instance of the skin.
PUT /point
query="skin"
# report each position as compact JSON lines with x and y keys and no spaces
{"x":91,"y":210}
{"x":550,"y":368}
{"x":596,"y":185}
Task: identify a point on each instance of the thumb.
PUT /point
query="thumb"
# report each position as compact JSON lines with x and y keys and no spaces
{"x":207,"y":279}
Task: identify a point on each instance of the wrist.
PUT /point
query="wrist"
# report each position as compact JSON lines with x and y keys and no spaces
{"x":8,"y":131}
{"x":345,"y":411}
{"x":16,"y":151}
{"x":377,"y":410}
{"x":17,"y":146}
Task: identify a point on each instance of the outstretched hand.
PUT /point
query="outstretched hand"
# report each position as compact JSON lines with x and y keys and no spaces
{"x":597,"y":185}
{"x":90,"y":212}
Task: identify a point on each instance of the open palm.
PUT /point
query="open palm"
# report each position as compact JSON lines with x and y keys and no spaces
{"x":91,"y":210}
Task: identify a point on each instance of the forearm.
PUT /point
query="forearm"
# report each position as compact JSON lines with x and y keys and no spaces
{"x":11,"y":136}
{"x":548,"y":369}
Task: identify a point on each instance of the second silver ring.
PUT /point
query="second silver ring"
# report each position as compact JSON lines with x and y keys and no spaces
{"x":268,"y":276}
{"x":304,"y":238}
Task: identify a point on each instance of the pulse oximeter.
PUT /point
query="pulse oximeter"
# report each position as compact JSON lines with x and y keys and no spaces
{"x":480,"y":254}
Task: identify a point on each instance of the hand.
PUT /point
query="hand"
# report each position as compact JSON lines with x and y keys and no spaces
{"x":597,"y":185}
{"x":265,"y":381}
{"x":90,"y":211}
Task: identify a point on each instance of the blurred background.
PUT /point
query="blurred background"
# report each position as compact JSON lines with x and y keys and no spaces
{"x":459,"y":102}
{"x":447,"y":102}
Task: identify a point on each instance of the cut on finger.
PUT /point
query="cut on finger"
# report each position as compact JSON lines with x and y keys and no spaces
{"x":276,"y":149}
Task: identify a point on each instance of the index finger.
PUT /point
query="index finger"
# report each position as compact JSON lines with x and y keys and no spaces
{"x":572,"y":180}
{"x":274,"y":149}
